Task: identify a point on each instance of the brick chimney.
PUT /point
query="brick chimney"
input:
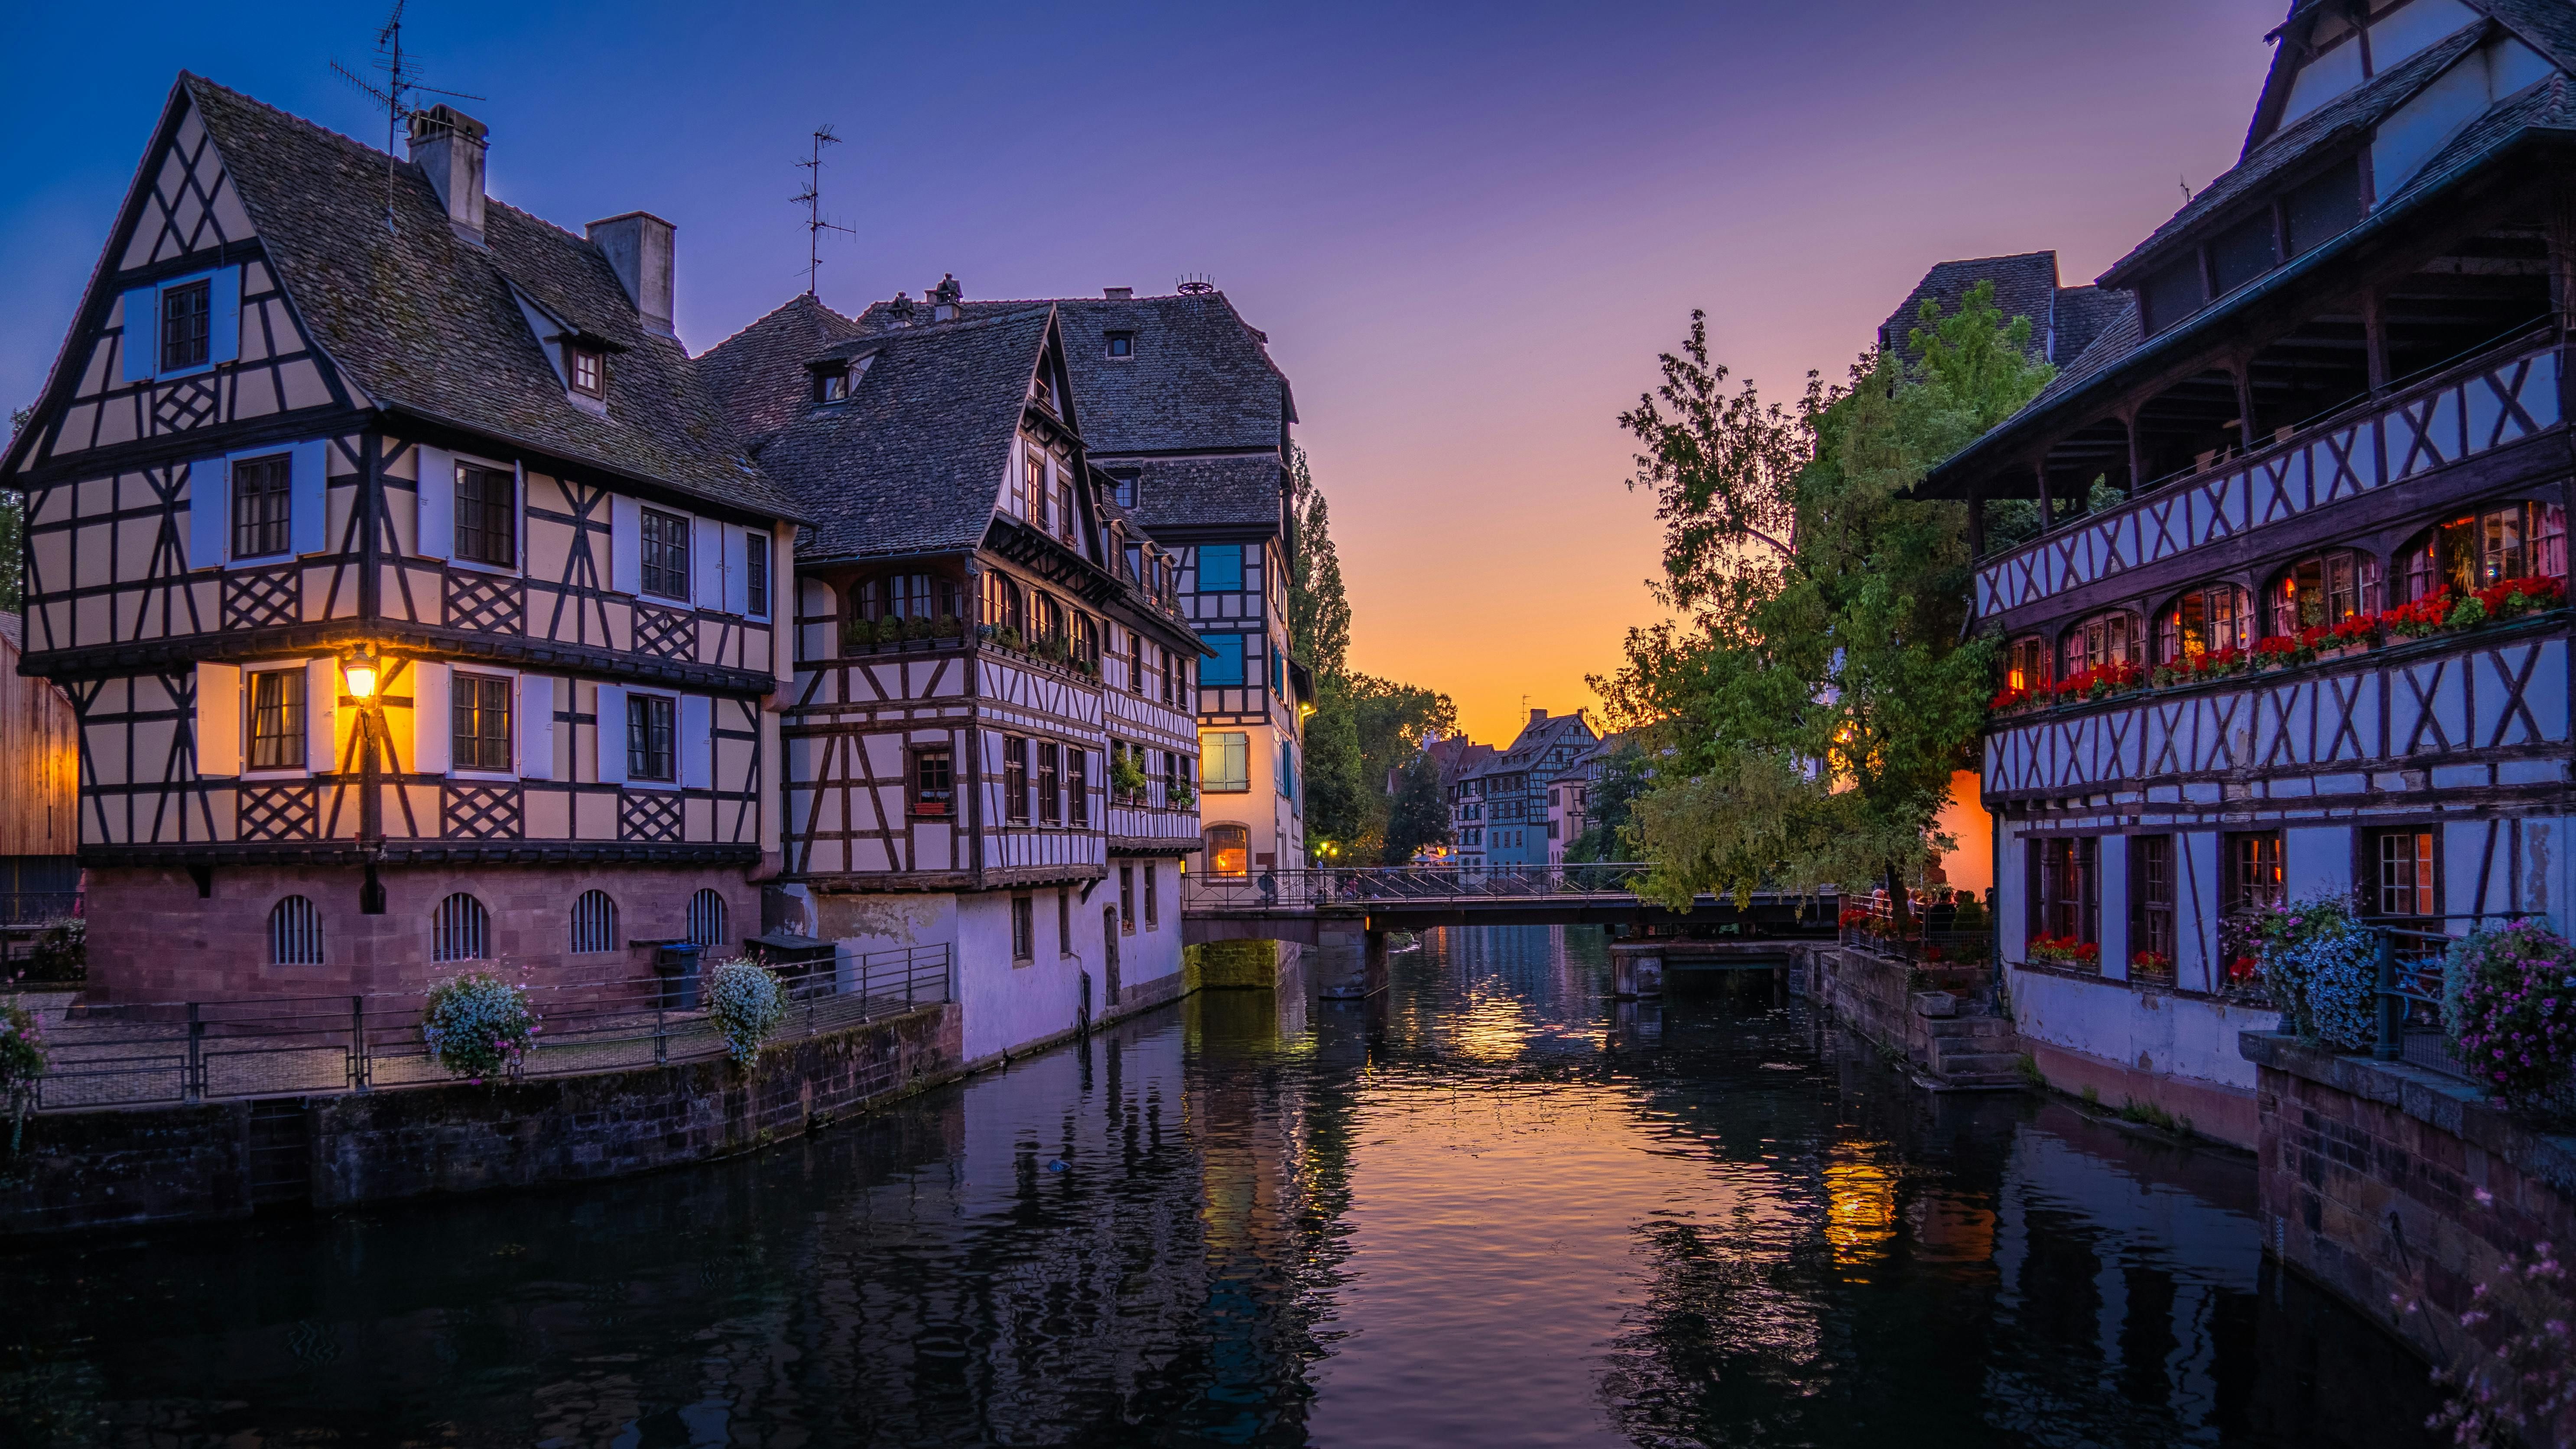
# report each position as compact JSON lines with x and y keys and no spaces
{"x":638,"y":246}
{"x":1118,"y":294}
{"x":1537,"y":714}
{"x":449,"y":146}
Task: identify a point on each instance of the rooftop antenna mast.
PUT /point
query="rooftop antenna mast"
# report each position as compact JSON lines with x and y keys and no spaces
{"x":402,"y":79}
{"x":811,"y":198}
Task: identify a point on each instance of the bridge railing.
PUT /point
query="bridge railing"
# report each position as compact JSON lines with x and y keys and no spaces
{"x":1363,"y":886}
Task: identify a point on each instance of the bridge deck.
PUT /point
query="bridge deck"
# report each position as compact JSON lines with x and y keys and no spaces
{"x":1294,"y":905}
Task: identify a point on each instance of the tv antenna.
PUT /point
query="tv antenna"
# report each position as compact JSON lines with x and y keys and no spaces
{"x":402,"y":79}
{"x":1195,"y":284}
{"x":811,"y":198}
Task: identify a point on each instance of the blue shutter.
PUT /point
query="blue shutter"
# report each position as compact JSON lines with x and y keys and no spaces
{"x":223,"y":315}
{"x":307,"y":501}
{"x":1220,"y":568}
{"x":209,"y":510}
{"x":1227,"y":666}
{"x":142,"y":333}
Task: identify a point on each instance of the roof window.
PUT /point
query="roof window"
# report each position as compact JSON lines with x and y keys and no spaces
{"x":1122,"y":344}
{"x":589,"y":369}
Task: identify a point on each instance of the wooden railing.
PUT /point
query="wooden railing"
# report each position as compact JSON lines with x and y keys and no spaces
{"x":2500,"y":397}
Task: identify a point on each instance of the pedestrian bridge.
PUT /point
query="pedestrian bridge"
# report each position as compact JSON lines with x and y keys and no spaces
{"x":1301,"y":905}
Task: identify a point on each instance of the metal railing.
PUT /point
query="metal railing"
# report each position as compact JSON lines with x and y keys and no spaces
{"x":1926,"y":937}
{"x":132,"y":1054}
{"x":38,"y":908}
{"x":2412,"y":960}
{"x":1417,"y":884}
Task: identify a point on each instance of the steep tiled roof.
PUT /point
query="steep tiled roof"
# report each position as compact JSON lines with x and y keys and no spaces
{"x":424,"y":321}
{"x":1199,"y":380}
{"x":2083,"y":314}
{"x":2345,"y":118}
{"x":758,"y":374}
{"x":914,"y":461}
{"x":2025,"y":286}
{"x":1185,"y":493}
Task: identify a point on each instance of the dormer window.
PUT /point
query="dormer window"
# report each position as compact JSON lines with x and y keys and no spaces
{"x":832,"y":384}
{"x":588,"y":367}
{"x":1122,"y":344}
{"x":1045,"y":393}
{"x":1122,"y":486}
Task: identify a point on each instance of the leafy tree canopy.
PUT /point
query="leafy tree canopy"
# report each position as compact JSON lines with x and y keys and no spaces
{"x":1807,"y":711}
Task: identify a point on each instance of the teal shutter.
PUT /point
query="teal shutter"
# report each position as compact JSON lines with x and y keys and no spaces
{"x":1227,"y":667}
{"x":223,"y":315}
{"x":142,"y":334}
{"x":1220,"y":569}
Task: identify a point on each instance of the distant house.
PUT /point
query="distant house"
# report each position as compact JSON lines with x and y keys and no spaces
{"x":1510,"y":791}
{"x":1569,"y":795}
{"x":39,"y":791}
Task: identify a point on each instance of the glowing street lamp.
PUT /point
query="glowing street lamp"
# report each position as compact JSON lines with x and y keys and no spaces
{"x":360,"y":669}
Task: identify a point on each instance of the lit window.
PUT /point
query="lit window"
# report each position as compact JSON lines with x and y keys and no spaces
{"x":2406,"y":863}
{"x":481,"y":705}
{"x":2507,"y":541}
{"x":2210,"y":618}
{"x":1229,"y":850}
{"x":277,"y":720}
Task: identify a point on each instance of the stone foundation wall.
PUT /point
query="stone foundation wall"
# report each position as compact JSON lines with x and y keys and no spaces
{"x":2369,"y":1179}
{"x":1876,"y":995}
{"x":152,"y":938}
{"x":193,"y":1164}
{"x":1225,"y":965}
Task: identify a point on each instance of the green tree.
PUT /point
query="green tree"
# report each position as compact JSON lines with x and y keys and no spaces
{"x":1609,"y":805}
{"x":1809,"y":709}
{"x":1319,"y":612}
{"x":1418,"y":815}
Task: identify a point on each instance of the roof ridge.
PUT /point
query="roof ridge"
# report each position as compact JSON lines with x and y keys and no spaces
{"x":763,"y":319}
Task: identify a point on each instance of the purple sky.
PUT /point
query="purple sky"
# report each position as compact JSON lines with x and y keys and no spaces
{"x":1467,"y":229}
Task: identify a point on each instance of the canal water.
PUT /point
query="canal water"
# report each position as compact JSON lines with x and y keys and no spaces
{"x":1489,"y":1208}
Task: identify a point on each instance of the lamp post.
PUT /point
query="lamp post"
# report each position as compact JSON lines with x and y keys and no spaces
{"x":362,"y":673}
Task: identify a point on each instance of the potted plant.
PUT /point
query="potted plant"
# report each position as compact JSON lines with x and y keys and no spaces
{"x":2509,"y":1001}
{"x":2513,"y":598}
{"x":2426,"y":616}
{"x":1126,"y":776}
{"x":2352,"y":634}
{"x":746,"y":1004}
{"x":477,"y":1025}
{"x":1007,"y":637}
{"x":858,"y":634}
{"x":950,"y":627}
{"x":2326,"y":967}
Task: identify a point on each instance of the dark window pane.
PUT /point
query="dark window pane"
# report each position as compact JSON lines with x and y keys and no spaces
{"x":184,"y":325}
{"x":755,"y":567}
{"x":2324,"y":208}
{"x":2172,"y":294}
{"x":2243,"y":252}
{"x":648,"y":737}
{"x":487,"y":528}
{"x":262,"y":499}
{"x":666,"y":555}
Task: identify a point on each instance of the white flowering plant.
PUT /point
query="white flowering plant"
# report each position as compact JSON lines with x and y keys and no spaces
{"x":478,"y":1025}
{"x":746,"y":1003}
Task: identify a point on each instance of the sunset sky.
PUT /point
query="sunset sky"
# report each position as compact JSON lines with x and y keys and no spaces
{"x":1467,"y":229}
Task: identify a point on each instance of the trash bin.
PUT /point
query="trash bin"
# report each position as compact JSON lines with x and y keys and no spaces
{"x":677,"y":965}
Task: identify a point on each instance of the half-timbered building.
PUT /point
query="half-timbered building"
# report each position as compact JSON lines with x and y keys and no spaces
{"x":2307,"y":637}
{"x":415,"y":601}
{"x":989,"y":742}
{"x":1189,"y":416}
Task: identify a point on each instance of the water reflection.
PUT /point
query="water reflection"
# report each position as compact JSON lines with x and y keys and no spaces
{"x":1487,"y":1207}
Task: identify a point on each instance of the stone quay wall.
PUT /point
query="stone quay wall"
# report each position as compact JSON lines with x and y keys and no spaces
{"x":2370,"y":1172}
{"x":1875,"y":994}
{"x":217,"y":1161}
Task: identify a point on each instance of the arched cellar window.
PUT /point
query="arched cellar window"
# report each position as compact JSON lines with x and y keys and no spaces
{"x":594,"y":924}
{"x":2208,"y":618}
{"x":2110,"y":638}
{"x":707,"y":918}
{"x":461,"y":931}
{"x":294,"y":933}
{"x":1229,"y":850}
{"x":2325,"y":588}
{"x":2026,"y":663}
{"x":2498,"y":542}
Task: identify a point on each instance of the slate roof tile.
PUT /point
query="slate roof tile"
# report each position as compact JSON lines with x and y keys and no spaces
{"x":914,"y":461}
{"x":424,"y":322}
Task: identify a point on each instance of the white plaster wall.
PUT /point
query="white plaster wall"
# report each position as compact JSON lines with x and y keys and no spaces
{"x":2146,"y":1030}
{"x":1004,"y":1006}
{"x":1154,"y":952}
{"x":2112,"y":859}
{"x":2012,"y":906}
{"x":2316,"y":861}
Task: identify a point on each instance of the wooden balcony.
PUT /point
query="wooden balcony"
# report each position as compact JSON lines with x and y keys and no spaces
{"x":2497,"y":399}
